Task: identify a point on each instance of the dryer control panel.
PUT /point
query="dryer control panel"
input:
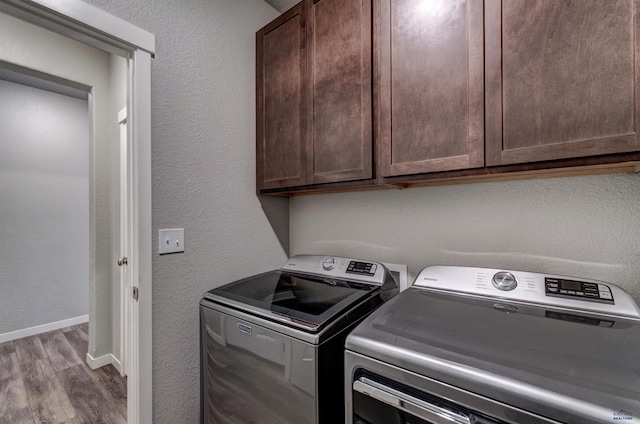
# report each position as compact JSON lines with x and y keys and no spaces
{"x":542,"y":289}
{"x":572,"y":289}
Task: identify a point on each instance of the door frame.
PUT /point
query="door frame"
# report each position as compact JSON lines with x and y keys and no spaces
{"x":126,"y":284}
{"x":94,"y":27}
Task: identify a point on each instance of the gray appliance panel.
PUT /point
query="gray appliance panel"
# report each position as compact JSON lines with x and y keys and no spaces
{"x":560,"y":365}
{"x":254,"y":374}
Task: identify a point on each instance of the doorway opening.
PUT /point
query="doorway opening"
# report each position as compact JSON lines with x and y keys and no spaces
{"x":89,"y":26}
{"x":61,"y":226}
{"x":45,"y":200}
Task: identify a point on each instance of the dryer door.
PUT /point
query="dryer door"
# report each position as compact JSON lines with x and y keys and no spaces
{"x":378,"y":403}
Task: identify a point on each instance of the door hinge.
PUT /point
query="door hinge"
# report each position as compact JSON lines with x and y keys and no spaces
{"x":135,"y":293}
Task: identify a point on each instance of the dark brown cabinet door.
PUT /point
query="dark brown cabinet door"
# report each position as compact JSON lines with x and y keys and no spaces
{"x":339,"y":87}
{"x":281,"y":102}
{"x":429,"y":84}
{"x":314,"y":95}
{"x":561,"y":79}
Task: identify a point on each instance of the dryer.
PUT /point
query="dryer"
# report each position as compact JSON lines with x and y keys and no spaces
{"x":476,"y":345}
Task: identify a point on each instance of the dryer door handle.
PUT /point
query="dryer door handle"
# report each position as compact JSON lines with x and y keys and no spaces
{"x":410,"y":404}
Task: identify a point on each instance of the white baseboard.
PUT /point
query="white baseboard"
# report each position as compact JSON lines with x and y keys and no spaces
{"x":117,"y":365}
{"x":39,"y":329}
{"x":101,"y":361}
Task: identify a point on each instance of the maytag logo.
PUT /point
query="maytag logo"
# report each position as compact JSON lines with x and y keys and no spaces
{"x":622,"y":415}
{"x":244,"y":328}
{"x":430,"y":279}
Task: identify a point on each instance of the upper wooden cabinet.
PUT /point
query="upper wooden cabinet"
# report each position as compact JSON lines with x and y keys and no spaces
{"x":429,"y":75}
{"x":561,"y":79}
{"x":314,"y":107}
{"x":450,"y":90}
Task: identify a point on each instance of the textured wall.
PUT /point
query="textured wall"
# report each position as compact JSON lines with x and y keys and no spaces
{"x":38,"y":50}
{"x":203,"y":170}
{"x":586,"y":227}
{"x":44,"y":207}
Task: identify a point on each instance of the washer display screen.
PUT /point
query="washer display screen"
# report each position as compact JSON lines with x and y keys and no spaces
{"x":570,"y":285}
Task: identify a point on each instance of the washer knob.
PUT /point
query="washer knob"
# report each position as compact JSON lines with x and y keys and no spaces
{"x":328,"y":264}
{"x":504,"y":281}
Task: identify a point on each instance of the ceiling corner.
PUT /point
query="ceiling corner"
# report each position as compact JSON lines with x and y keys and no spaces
{"x":282,"y":5}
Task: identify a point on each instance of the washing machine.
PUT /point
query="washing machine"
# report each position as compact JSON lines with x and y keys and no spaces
{"x":272,"y":345}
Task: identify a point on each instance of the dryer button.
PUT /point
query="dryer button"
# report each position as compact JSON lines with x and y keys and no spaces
{"x":328,"y":264}
{"x":504,"y":281}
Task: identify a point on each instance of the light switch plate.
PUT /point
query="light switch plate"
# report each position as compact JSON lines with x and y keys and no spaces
{"x":171,"y":241}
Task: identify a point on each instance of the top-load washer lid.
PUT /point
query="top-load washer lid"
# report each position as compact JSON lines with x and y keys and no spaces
{"x":308,"y":292}
{"x":563,"y":363}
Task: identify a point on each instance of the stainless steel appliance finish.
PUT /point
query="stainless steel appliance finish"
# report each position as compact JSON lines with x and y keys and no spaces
{"x":477,"y":345}
{"x":272,"y":345}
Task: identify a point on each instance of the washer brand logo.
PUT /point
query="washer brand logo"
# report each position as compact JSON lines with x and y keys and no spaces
{"x":622,"y":415}
{"x":430,"y":279}
{"x":244,"y":328}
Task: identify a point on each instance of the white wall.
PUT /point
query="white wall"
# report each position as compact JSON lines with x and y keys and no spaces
{"x":42,"y":52}
{"x":44,"y":207}
{"x":203,"y":170}
{"x":586,"y":227}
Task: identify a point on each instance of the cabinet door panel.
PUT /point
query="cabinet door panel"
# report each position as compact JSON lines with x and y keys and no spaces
{"x":561,"y":79}
{"x":340,"y":90}
{"x":430,"y":85}
{"x":281,"y":108}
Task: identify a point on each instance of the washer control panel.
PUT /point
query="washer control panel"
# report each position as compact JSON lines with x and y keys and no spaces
{"x":357,"y":267}
{"x":529,"y":287}
{"x":595,"y":292}
{"x":337,"y":267}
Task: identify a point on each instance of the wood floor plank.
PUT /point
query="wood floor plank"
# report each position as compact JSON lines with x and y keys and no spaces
{"x":84,"y":327}
{"x":21,"y":416}
{"x":48,"y":400}
{"x":92,"y":403}
{"x":29,"y":350}
{"x":7,"y":347}
{"x":33,"y":391}
{"x":13,"y":396}
{"x":74,"y":420}
{"x":115,"y":385}
{"x":9,"y":367}
{"x":78,"y":341}
{"x":61,"y":354}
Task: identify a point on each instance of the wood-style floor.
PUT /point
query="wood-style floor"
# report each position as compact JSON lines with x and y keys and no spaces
{"x":44,"y":380}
